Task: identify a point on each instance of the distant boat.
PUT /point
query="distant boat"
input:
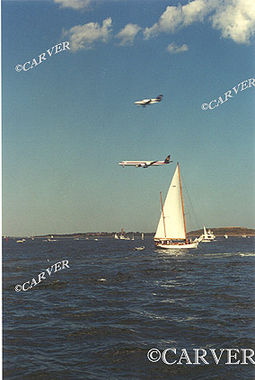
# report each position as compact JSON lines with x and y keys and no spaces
{"x":140,"y":248}
{"x":21,"y":241}
{"x":142,"y":237}
{"x":226,"y":236}
{"x":122,"y":237}
{"x":207,"y":236}
{"x":133,"y":237}
{"x":244,"y":236}
{"x":171,"y":231}
{"x":51,"y":239}
{"x":116,"y":236}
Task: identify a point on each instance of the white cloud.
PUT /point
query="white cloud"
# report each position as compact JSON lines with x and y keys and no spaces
{"x":84,"y":36}
{"x":174,"y":49}
{"x":234,"y":18}
{"x":75,"y":4}
{"x":128,"y":33}
{"x":183,"y":15}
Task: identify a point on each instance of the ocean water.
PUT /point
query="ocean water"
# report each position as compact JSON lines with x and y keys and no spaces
{"x":100,"y":317}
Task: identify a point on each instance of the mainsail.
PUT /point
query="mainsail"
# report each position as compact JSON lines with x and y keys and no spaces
{"x":172,"y":223}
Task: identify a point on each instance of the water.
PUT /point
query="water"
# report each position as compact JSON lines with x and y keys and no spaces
{"x":98,"y":319}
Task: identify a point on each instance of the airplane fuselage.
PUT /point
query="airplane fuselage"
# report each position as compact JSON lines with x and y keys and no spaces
{"x":145,"y":164}
{"x":142,"y":164}
{"x":146,"y":102}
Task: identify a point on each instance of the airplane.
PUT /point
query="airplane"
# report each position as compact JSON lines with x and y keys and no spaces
{"x":146,"y":102}
{"x":145,"y":164}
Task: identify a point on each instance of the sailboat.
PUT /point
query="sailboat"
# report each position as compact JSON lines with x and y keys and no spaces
{"x":171,"y":231}
{"x":142,"y":237}
{"x":116,"y":236}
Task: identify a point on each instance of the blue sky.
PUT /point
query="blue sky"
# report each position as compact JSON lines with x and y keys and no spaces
{"x":68,"y":121}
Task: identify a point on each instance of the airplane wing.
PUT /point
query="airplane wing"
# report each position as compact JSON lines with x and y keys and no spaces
{"x":143,"y":102}
{"x":151,"y":163}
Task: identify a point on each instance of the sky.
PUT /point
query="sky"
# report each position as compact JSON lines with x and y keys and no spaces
{"x":69,"y":120}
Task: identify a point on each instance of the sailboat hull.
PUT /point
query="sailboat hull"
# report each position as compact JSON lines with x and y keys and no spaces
{"x":177,"y":246}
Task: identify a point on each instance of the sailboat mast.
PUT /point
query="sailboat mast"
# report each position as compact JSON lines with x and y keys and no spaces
{"x":182,"y":204}
{"x":163,"y":216}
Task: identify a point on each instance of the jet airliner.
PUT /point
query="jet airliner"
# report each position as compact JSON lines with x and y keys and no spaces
{"x":145,"y":164}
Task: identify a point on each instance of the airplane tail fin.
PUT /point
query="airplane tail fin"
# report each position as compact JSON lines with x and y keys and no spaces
{"x":159,"y":97}
{"x":167,"y":160}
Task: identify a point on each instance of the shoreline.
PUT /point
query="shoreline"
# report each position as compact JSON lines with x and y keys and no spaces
{"x":218,"y":232}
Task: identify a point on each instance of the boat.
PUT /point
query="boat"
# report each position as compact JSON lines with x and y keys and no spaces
{"x":142,"y":237}
{"x":207,"y":236}
{"x":226,"y":236}
{"x":21,"y":241}
{"x":122,"y":237}
{"x":139,"y":248}
{"x":116,"y":236}
{"x":171,"y":231}
{"x":51,"y":239}
{"x":133,"y":237}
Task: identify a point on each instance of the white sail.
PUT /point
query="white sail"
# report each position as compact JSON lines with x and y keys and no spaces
{"x":171,"y":224}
